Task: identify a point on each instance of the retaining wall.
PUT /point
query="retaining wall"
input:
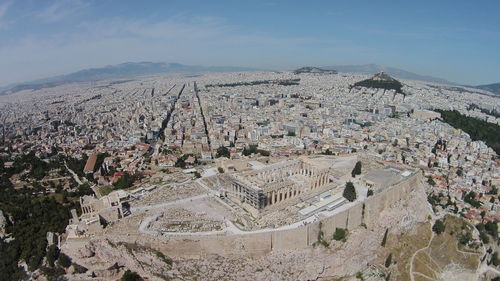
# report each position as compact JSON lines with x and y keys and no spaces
{"x":255,"y":244}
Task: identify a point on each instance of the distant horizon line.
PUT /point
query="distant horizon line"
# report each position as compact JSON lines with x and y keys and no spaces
{"x":36,"y":80}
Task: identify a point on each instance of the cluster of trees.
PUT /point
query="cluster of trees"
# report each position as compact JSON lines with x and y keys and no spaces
{"x":287,"y":82}
{"x":437,"y":199}
{"x":381,"y":84}
{"x":76,"y":165}
{"x":181,"y":161}
{"x":55,"y":271}
{"x":32,"y":212}
{"x":492,"y":112}
{"x":223,"y":152}
{"x":470,"y":198}
{"x":126,"y":181}
{"x":477,"y":129}
{"x":252,"y":149}
{"x":33,"y":217}
{"x":37,"y":168}
{"x":488,"y":228}
{"x":327,"y":152}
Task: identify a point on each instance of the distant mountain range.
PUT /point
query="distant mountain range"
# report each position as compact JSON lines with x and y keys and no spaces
{"x":494,"y":88}
{"x":395,"y":72}
{"x":132,"y":69}
{"x":124,"y":70}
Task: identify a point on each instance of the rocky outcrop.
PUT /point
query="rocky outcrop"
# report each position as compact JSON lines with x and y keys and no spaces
{"x":108,"y":260}
{"x":381,"y":80}
{"x":313,"y":70}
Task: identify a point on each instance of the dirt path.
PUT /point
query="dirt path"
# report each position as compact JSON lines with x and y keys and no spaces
{"x":412,"y":259}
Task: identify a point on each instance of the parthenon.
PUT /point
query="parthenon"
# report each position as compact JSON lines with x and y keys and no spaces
{"x":278,"y":182}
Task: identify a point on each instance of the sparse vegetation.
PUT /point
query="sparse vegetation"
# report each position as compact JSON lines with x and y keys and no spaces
{"x":164,"y":258}
{"x":384,"y":240}
{"x":340,"y":234}
{"x":321,"y":238}
{"x":388,"y":260}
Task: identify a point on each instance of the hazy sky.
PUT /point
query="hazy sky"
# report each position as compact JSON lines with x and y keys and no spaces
{"x":456,"y":40}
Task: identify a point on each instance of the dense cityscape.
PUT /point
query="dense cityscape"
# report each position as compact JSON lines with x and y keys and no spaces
{"x":265,"y":140}
{"x":113,"y":151}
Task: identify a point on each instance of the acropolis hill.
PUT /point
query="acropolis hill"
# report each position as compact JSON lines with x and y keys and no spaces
{"x":256,"y":210}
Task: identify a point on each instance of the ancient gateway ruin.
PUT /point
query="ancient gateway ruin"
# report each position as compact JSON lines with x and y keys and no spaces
{"x":278,"y":182}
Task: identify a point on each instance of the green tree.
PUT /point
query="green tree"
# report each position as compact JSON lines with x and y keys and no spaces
{"x":492,"y":228}
{"x":221,"y":170}
{"x":52,"y":254}
{"x":438,"y":227}
{"x":340,"y":234}
{"x":223,"y":152}
{"x":484,"y":237}
{"x":494,"y":259}
{"x":64,"y":260}
{"x":131,"y":276}
{"x":369,"y":193}
{"x":349,"y":191}
{"x":357,"y":169}
{"x":126,"y":181}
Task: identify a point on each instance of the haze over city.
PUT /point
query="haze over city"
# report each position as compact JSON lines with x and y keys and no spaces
{"x":454,"y":40}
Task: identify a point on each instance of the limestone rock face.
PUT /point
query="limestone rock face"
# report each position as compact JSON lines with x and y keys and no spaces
{"x":108,"y":260}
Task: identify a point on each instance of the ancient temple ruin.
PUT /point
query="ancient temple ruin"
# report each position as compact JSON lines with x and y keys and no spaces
{"x":278,"y":182}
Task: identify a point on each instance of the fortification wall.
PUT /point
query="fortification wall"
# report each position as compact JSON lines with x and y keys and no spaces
{"x":256,"y":244}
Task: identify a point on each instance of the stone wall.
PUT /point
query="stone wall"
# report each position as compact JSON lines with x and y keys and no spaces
{"x":256,"y":244}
